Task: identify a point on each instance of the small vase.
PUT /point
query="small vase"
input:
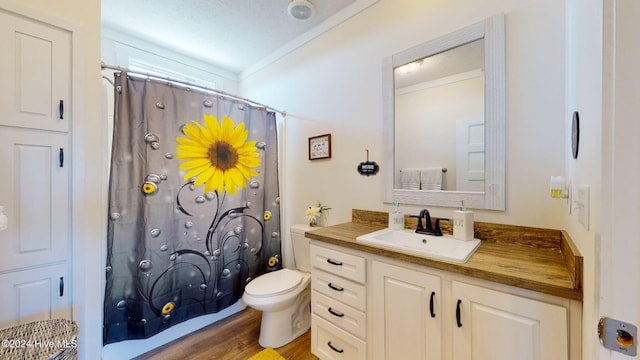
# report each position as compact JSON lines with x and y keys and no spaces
{"x":322,"y":220}
{"x":313,"y":223}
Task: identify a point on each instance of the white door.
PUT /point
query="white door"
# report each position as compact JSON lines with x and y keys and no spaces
{"x":619,"y":253}
{"x":404,"y":324}
{"x":35,"y":103}
{"x":492,"y":325}
{"x":470,"y":155}
{"x":34,"y":190}
{"x":35,"y":68}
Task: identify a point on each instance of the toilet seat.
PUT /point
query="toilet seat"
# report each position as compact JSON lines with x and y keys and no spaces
{"x":274,"y":283}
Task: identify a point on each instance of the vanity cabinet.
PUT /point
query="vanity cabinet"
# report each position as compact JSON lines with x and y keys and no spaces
{"x":420,"y":314}
{"x":369,"y":306}
{"x":338,"y":304}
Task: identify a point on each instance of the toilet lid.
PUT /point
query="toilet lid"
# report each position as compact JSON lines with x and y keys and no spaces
{"x":274,"y":283}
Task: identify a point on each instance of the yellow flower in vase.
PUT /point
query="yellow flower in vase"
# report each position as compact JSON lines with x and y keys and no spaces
{"x":217,"y":154}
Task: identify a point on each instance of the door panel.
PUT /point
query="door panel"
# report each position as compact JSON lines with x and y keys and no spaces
{"x":403,"y":325}
{"x":34,"y":294}
{"x":35,"y":66}
{"x":500,"y":326}
{"x":34,"y":191}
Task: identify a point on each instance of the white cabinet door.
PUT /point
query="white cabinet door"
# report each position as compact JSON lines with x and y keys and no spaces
{"x":404,"y":326}
{"x":35,"y":294}
{"x":34,"y":190}
{"x":498,"y":326}
{"x":35,"y":68}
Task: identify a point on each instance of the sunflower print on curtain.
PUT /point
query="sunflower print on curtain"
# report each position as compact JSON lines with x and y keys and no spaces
{"x":194,"y":209}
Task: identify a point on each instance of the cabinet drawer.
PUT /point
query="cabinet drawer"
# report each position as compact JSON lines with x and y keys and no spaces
{"x":336,"y":262}
{"x":330,"y":342}
{"x":339,"y":314}
{"x":340,"y":289}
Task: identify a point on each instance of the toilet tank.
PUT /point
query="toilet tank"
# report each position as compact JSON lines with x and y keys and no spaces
{"x":301,"y":247}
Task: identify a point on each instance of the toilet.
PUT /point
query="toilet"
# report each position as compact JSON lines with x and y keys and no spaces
{"x":284,"y":296}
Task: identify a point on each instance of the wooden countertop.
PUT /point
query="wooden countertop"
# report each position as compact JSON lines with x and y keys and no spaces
{"x":553,"y":268}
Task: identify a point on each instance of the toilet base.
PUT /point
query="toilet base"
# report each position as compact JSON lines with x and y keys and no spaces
{"x":279,"y":328}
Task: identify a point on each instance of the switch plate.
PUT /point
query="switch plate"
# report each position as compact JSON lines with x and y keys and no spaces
{"x":582,"y":205}
{"x":618,"y":336}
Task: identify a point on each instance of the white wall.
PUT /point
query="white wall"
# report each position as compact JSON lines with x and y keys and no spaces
{"x":618,"y":247}
{"x":584,"y":94}
{"x":333,"y":85}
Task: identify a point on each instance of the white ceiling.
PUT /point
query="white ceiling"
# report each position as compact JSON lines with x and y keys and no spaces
{"x":230,"y":34}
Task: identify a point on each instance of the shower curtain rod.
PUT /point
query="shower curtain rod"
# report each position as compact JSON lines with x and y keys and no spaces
{"x":181,"y":82}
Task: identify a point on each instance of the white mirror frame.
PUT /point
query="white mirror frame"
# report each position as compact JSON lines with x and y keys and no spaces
{"x":493,"y":197}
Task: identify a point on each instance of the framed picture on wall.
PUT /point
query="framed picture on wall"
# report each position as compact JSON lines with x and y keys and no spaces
{"x":320,"y":147}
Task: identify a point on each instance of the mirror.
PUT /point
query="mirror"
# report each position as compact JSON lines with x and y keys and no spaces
{"x":444,"y":120}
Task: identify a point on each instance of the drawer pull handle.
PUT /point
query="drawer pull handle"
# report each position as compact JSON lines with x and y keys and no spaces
{"x":334,"y":348}
{"x":61,"y":109}
{"x":334,"y":262}
{"x":336,"y":288}
{"x":433,"y":295}
{"x":335,"y":313}
{"x":458,"y":313}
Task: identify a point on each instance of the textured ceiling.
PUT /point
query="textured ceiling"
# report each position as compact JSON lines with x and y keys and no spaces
{"x":229,"y":34}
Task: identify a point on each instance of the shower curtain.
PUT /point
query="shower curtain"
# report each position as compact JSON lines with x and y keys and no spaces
{"x":193,"y":205}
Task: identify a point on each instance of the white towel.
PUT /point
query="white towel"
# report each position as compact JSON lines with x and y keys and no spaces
{"x":410,"y":178}
{"x":431,"y":178}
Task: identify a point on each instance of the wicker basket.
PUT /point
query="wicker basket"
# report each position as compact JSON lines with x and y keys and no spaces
{"x":54,"y":339}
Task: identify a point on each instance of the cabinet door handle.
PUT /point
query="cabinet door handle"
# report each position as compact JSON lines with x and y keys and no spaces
{"x":431,"y":305}
{"x":61,"y":109}
{"x":335,"y":313}
{"x":61,"y":285}
{"x":334,"y":262}
{"x":334,"y":348}
{"x":458,"y":313}
{"x":61,"y":157}
{"x":336,"y":288}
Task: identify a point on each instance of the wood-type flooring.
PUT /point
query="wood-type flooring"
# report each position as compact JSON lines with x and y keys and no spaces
{"x":233,"y":338}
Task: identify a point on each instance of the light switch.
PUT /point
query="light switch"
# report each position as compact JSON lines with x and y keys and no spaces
{"x":581,"y":205}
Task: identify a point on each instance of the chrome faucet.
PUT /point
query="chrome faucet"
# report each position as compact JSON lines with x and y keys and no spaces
{"x":428,"y":227}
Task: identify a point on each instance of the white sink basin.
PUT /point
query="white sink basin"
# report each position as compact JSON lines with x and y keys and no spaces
{"x":444,"y":247}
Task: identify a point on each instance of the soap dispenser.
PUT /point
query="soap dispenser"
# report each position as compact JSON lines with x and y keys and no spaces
{"x":463,"y":224}
{"x":396,"y":218}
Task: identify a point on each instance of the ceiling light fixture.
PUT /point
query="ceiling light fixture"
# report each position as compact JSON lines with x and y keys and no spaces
{"x":301,"y":9}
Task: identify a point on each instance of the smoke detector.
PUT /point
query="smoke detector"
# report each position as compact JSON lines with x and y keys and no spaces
{"x":301,"y":9}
